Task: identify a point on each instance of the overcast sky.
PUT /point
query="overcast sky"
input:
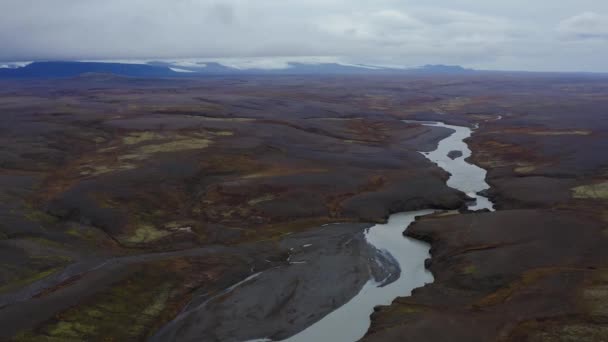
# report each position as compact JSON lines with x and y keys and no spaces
{"x":569,"y":35}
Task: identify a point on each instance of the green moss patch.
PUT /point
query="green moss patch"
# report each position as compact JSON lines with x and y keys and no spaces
{"x":559,"y":133}
{"x":176,"y":146}
{"x":138,"y":146}
{"x":261,"y":199}
{"x":595,"y":295}
{"x":137,"y":306}
{"x":140,"y":137}
{"x":145,"y":234}
{"x":145,"y":151}
{"x":100,"y":169}
{"x":35,"y":215}
{"x":571,"y":333}
{"x":126,"y":312}
{"x":471,"y":269}
{"x":34,"y":269}
{"x":223,"y":133}
{"x":91,"y":235}
{"x":596,"y":298}
{"x":525,"y":169}
{"x":591,"y":191}
{"x":19,"y":283}
{"x":406,"y":309}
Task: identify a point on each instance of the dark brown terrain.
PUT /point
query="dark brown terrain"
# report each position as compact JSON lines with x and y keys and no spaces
{"x":126,"y":202}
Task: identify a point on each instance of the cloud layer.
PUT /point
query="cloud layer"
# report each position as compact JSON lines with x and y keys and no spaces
{"x":518,"y":34}
{"x":587,"y":25}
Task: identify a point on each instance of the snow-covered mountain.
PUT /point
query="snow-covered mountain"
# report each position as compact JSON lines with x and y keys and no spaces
{"x":55,"y":69}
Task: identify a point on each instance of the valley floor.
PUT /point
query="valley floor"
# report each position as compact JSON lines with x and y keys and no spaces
{"x":128,"y":203}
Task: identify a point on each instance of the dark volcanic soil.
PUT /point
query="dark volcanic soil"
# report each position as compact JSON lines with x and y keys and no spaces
{"x":499,"y":272}
{"x":326,"y":268}
{"x":536,"y":269}
{"x":126,"y":202}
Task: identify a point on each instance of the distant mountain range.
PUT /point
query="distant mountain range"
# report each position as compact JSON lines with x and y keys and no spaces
{"x":166,"y":69}
{"x":72,"y":69}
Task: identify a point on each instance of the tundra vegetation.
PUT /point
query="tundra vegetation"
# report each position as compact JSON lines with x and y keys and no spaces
{"x":125,"y":200}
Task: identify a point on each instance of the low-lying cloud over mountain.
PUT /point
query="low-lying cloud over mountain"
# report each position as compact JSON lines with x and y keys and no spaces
{"x":518,"y":34}
{"x":176,"y":69}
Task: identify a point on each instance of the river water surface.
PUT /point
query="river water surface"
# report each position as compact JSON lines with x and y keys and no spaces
{"x":351,"y":321}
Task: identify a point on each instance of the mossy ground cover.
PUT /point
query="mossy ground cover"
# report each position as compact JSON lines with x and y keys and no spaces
{"x":90,"y":236}
{"x":33,"y":269}
{"x":557,"y":331}
{"x":109,"y":135}
{"x":145,"y":234}
{"x":526,"y":280}
{"x":277,"y":231}
{"x":127,"y":152}
{"x":124,"y":312}
{"x":594,"y":296}
{"x":150,"y":226}
{"x":134,"y":308}
{"x":591,"y":191}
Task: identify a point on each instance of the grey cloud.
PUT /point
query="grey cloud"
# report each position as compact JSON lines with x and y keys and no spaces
{"x":518,"y":34}
{"x":223,"y":12}
{"x":587,"y":25}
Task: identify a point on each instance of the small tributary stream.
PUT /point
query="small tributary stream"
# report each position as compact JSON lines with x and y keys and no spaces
{"x":351,"y":321}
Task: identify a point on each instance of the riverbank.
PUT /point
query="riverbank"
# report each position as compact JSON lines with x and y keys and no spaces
{"x":536,"y":269}
{"x":335,"y":276}
{"x":351,"y":321}
{"x":504,"y":276}
{"x":411,"y":254}
{"x":326,"y":267}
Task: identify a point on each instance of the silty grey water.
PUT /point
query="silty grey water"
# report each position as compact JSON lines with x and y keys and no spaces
{"x":351,"y":321}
